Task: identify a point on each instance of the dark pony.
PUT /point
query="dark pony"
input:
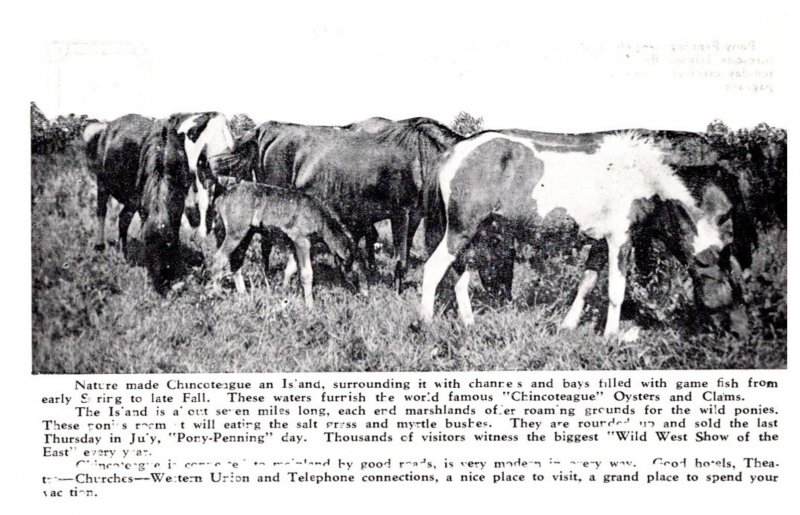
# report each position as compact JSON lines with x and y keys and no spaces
{"x":249,"y":208}
{"x":112,"y":155}
{"x":164,"y":179}
{"x":369,"y":171}
{"x":113,"y":152}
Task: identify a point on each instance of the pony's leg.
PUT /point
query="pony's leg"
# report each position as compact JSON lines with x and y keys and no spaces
{"x":400,"y":225}
{"x":237,"y":260}
{"x":414,"y":219}
{"x":432,"y":274}
{"x":186,"y":225}
{"x":266,"y":250}
{"x":203,"y":201}
{"x":223,"y":261}
{"x":100,"y":212}
{"x":302,"y":248}
{"x":125,"y":218}
{"x":597,"y":258}
{"x":496,"y":256}
{"x":462,"y":295}
{"x":573,"y":316}
{"x":289,"y":271}
{"x":370,"y":239}
{"x":617,"y":269}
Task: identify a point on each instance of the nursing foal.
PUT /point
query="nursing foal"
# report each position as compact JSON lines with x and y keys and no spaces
{"x":249,"y":208}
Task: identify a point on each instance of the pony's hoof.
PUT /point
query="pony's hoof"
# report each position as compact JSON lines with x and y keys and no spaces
{"x":99,"y":247}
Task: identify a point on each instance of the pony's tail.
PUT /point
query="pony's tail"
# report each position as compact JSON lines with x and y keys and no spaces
{"x":435,"y":214}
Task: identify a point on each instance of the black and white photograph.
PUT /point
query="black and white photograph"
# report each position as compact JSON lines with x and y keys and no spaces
{"x":433,"y":256}
{"x":232,"y":210}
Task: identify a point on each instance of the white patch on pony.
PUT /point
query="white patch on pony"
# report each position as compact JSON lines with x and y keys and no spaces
{"x":432,"y":274}
{"x":185,"y":225}
{"x":707,"y":236}
{"x":573,"y":316}
{"x":462,"y":299}
{"x":203,"y":201}
{"x":217,"y":139}
{"x":92,"y":129}
{"x":238,"y":280}
{"x":597,"y":190}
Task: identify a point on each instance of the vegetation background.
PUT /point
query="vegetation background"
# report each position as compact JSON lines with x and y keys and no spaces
{"x":96,"y":313}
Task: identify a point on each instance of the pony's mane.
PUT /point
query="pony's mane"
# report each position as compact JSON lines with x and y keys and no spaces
{"x":153,"y":151}
{"x":411,"y":132}
{"x":634,"y":151}
{"x":154,"y":166}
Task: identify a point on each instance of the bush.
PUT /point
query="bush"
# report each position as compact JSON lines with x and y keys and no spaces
{"x":758,"y":157}
{"x":466,"y":124}
{"x":48,"y":137}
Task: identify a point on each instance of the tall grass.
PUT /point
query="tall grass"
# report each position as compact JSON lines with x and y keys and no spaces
{"x":95,"y":312}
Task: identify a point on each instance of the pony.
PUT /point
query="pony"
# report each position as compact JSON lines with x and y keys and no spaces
{"x":249,"y":208}
{"x":620,"y":181}
{"x":113,"y":153}
{"x":370,"y":171}
{"x":208,"y":137}
{"x":164,"y":179}
{"x":697,"y":161}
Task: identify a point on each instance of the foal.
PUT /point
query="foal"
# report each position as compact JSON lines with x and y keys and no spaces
{"x":249,"y":208}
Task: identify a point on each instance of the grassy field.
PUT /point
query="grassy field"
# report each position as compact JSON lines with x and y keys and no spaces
{"x":95,"y":313}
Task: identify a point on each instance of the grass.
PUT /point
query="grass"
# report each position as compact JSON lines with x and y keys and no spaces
{"x":96,"y":313}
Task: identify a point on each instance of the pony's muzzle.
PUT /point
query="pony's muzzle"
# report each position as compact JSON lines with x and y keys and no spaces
{"x":739,"y":323}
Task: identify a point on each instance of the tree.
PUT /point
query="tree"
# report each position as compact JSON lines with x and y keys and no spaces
{"x":466,"y":124}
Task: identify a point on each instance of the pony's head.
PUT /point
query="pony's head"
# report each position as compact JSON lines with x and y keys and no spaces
{"x":345,"y":250}
{"x":207,"y":136}
{"x":353,"y":269}
{"x":716,"y":274}
{"x":240,"y":164}
{"x":175,"y":160}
